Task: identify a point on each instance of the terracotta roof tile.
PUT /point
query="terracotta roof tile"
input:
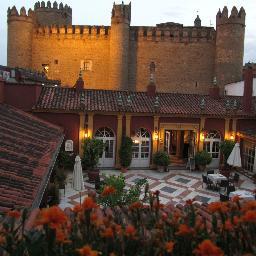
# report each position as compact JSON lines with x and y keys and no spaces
{"x":27,"y":150}
{"x":69,"y":99}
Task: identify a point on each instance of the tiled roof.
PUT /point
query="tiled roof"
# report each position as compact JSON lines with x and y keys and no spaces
{"x":70,"y":99}
{"x":248,"y":132}
{"x":28,"y":150}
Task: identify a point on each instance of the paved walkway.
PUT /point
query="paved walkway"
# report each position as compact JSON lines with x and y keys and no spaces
{"x":174,"y":186}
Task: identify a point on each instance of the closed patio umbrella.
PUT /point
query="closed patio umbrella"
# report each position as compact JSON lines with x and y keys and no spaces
{"x":234,"y":158}
{"x":78,"y":183}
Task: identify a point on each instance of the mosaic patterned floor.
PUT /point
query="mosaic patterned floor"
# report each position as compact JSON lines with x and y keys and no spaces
{"x":175,"y":187}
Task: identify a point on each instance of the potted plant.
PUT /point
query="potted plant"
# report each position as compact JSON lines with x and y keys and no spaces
{"x":92,"y":151}
{"x":202,"y":158}
{"x":161,"y":159}
{"x":125,"y":153}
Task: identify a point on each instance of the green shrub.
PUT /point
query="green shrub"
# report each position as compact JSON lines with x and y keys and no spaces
{"x":203,"y":158}
{"x":60,"y":178}
{"x":65,"y":160}
{"x":113,"y":192}
{"x":92,"y":151}
{"x":53,"y":193}
{"x":161,"y":158}
{"x":125,"y":152}
{"x":226,"y":148}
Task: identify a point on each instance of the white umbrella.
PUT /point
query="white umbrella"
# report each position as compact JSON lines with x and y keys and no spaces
{"x":234,"y":158}
{"x":78,"y":183}
{"x":254,"y":164}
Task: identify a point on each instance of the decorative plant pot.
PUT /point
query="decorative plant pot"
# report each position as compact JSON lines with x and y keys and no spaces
{"x":162,"y":168}
{"x":123,"y":169}
{"x":93,"y":175}
{"x":201,"y":167}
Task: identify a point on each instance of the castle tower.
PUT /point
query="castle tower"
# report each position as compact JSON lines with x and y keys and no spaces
{"x":48,"y":14}
{"x":119,"y":46}
{"x":20,"y":35}
{"x":229,"y":46}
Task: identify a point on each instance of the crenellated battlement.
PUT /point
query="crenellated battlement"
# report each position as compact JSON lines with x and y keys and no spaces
{"x":12,"y":13}
{"x":173,"y":32}
{"x":53,"y":7}
{"x":121,"y":13}
{"x":73,"y":30}
{"x":235,"y":17}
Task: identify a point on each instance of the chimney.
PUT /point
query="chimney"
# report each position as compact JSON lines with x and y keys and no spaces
{"x":1,"y":90}
{"x":214,"y":90}
{"x":248,"y":88}
{"x":80,"y":82}
{"x":151,"y":88}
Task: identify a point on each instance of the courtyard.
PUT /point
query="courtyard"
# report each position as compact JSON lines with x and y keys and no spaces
{"x":176,"y":186}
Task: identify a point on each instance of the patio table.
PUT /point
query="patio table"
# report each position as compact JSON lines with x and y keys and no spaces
{"x":217,"y":177}
{"x":243,"y":194}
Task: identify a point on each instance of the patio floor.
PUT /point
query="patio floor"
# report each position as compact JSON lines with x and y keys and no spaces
{"x":176,"y":186}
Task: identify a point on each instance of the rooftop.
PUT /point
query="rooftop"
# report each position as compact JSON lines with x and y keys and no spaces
{"x":28,"y":150}
{"x":72,"y":100}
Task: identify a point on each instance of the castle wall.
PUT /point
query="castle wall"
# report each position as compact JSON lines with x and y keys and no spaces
{"x":180,"y":67}
{"x":64,"y":49}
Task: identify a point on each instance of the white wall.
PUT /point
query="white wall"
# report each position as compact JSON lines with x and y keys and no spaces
{"x":237,"y":89}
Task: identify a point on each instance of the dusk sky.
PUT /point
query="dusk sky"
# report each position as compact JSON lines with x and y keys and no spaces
{"x":146,"y":12}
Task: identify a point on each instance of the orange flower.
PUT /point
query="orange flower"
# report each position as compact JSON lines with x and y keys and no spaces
{"x":52,"y":216}
{"x":207,"y":248}
{"x":236,"y":220}
{"x":87,"y":251}
{"x":217,"y":207}
{"x":61,"y":236}
{"x":236,"y":199}
{"x":136,"y":205}
{"x":190,"y":201}
{"x":169,"y":246}
{"x":184,"y":230}
{"x":108,"y":190}
{"x":118,"y":229}
{"x":130,"y":231}
{"x":77,"y":208}
{"x":89,"y":204}
{"x":14,"y":214}
{"x":249,"y":216}
{"x":108,"y":233}
{"x":249,"y":205}
{"x":228,"y":225}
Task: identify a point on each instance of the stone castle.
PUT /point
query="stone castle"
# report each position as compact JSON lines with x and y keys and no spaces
{"x":123,"y":57}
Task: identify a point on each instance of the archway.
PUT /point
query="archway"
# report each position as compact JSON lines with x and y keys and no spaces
{"x":108,"y":137}
{"x":212,"y":146}
{"x":141,"y":148}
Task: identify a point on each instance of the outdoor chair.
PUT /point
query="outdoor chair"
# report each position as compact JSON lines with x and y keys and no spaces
{"x":223,"y":184}
{"x":224,"y":198}
{"x":205,"y":180}
{"x":235,"y":179}
{"x":230,"y":189}
{"x":210,"y":172}
{"x":209,"y":183}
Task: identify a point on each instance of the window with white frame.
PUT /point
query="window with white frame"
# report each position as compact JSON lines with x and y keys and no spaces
{"x":248,"y":156}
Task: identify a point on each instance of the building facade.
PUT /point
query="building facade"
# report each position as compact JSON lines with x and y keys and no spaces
{"x":117,"y":57}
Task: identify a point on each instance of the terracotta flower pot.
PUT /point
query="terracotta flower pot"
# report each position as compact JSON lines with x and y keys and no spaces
{"x":93,"y":175}
{"x":201,"y":167}
{"x":123,"y":169}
